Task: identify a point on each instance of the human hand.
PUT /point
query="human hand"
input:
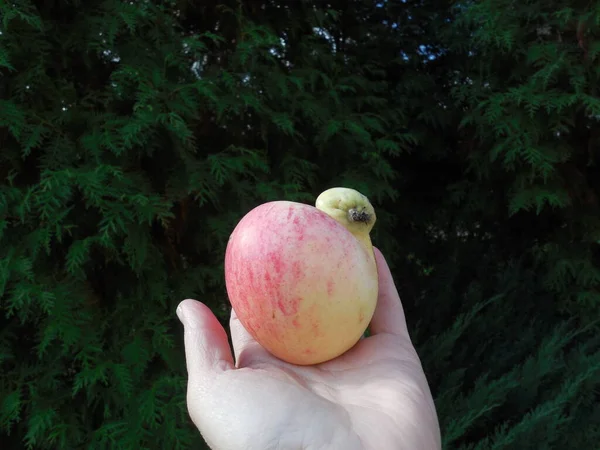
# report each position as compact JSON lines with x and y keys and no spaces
{"x":375,"y":396}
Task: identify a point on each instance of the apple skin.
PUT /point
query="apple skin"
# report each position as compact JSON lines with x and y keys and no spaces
{"x":301,"y":284}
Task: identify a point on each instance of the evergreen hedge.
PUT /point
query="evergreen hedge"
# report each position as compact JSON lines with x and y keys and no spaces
{"x":134,"y":135}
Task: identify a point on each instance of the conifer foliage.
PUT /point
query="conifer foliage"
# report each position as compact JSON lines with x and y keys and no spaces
{"x":134,"y":135}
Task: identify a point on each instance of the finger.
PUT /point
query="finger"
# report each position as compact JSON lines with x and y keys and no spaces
{"x":245,"y":347}
{"x":389,"y":314}
{"x":207,"y":350}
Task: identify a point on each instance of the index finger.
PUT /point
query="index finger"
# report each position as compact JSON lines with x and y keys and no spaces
{"x":389,"y":314}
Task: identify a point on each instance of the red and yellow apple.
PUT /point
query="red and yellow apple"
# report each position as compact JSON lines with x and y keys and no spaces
{"x":302,"y":279}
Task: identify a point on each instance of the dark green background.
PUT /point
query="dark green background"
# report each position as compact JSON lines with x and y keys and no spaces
{"x":135,"y":134}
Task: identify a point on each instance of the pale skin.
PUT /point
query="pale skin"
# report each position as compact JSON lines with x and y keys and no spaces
{"x":375,"y":396}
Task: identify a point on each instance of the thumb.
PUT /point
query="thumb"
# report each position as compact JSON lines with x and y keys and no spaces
{"x":207,"y":350}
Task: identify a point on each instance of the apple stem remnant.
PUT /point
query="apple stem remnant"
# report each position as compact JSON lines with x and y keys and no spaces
{"x":351,"y":209}
{"x":359,"y":216}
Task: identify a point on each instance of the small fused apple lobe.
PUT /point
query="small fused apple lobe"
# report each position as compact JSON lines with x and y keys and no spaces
{"x":303,"y":286}
{"x":351,"y":209}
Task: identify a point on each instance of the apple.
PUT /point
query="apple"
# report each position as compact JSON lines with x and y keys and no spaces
{"x":302,"y":279}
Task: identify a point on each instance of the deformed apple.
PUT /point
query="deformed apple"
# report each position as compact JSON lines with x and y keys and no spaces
{"x":302,"y":279}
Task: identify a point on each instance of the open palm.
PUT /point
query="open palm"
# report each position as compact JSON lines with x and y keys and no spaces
{"x":375,"y":396}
